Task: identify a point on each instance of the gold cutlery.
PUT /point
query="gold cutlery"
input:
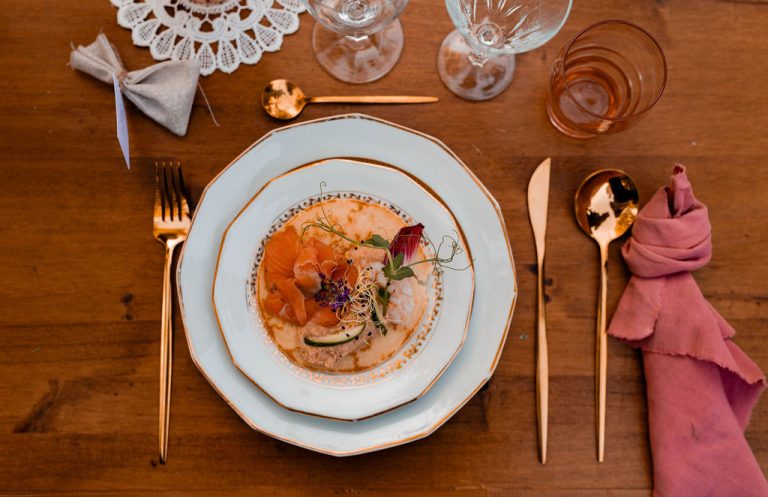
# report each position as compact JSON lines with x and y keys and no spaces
{"x":282,"y":99}
{"x":171,"y":225}
{"x":538,"y":205}
{"x":606,"y":207}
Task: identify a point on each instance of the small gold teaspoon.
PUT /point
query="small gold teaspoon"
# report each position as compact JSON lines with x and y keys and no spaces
{"x":284,"y":100}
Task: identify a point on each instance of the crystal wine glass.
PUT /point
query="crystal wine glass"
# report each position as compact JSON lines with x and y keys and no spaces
{"x":357,"y":41}
{"x":476,"y":61}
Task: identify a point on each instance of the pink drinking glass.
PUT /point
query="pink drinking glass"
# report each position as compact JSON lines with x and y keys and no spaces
{"x":608,"y":77}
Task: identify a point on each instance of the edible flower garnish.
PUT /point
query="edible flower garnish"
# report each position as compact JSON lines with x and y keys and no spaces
{"x":333,"y":293}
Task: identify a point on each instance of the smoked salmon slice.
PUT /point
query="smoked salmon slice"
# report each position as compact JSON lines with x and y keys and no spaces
{"x":325,"y":317}
{"x":280,"y":254}
{"x":274,"y":303}
{"x":321,"y":315}
{"x":291,"y":293}
{"x":324,"y":251}
{"x":344,"y":271}
{"x":307,"y":271}
{"x":326,"y":256}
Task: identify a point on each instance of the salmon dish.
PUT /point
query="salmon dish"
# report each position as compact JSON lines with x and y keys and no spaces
{"x":343,"y":284}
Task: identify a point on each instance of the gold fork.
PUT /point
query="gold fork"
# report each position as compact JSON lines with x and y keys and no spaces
{"x":171,"y":225}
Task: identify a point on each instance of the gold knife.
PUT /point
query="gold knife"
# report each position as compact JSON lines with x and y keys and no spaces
{"x":538,"y":204}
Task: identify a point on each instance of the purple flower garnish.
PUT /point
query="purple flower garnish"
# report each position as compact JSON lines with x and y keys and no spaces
{"x":333,"y":294}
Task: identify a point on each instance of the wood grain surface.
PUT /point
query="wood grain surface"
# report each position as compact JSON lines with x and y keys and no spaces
{"x":80,"y":274}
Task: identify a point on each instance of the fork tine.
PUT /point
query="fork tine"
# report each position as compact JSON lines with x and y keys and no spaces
{"x":183,"y":194}
{"x":175,"y":172}
{"x":160,"y":195}
{"x":164,"y":192}
{"x":169,"y":193}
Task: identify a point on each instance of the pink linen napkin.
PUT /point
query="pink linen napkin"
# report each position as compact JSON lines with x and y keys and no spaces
{"x":701,"y":386}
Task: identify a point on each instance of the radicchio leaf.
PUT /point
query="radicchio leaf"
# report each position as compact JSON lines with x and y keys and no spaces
{"x":406,"y":242}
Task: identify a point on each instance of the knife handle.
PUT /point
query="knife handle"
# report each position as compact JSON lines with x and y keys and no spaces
{"x":542,"y":367}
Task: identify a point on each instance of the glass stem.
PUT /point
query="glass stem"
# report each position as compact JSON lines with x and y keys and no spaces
{"x":356,"y":42}
{"x":478,"y":58}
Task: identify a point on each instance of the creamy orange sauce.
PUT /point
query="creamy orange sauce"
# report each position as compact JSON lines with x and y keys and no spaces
{"x":409,"y":299}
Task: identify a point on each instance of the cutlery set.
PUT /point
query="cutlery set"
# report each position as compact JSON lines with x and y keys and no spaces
{"x":606,"y":205}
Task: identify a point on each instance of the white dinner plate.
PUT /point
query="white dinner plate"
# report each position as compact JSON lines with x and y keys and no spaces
{"x":433,"y":164}
{"x":410,"y":372}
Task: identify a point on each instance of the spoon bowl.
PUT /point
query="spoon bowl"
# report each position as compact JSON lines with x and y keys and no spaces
{"x":282,"y":99}
{"x":606,"y":207}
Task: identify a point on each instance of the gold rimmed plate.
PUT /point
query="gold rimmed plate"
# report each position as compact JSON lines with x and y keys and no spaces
{"x":432,"y":164}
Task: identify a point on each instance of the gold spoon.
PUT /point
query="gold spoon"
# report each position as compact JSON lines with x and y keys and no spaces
{"x":606,"y":207}
{"x":282,"y":99}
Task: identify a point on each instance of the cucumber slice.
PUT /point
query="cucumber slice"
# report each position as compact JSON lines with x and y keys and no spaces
{"x":377,"y":316}
{"x":338,"y":338}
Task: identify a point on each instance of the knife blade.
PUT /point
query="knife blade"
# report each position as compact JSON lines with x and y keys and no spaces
{"x":538,"y":206}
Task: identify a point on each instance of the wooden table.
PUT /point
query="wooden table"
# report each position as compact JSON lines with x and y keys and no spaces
{"x":80,"y":275}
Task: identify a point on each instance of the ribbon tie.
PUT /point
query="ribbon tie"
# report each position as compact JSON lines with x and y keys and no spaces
{"x":163,"y":91}
{"x":121,"y":78}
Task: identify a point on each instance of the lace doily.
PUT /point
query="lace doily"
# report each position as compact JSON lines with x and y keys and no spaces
{"x":219,"y":34}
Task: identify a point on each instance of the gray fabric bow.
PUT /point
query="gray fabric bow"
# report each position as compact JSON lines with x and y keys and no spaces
{"x":163,"y":91}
